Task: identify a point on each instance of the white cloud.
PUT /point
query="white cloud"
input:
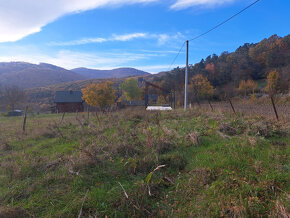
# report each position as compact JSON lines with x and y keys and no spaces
{"x":19,"y":18}
{"x":157,"y":68}
{"x":97,"y":60}
{"x":71,"y":59}
{"x":161,"y":39}
{"x":115,"y":37}
{"x":128,"y":37}
{"x":181,"y":4}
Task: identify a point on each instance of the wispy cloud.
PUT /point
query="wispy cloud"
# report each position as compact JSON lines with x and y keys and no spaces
{"x":97,"y":60}
{"x":20,"y":18}
{"x":161,"y":39}
{"x":128,"y":37}
{"x":156,"y":68}
{"x":72,"y":59}
{"x":182,"y":4}
{"x":115,"y":37}
{"x":25,"y":17}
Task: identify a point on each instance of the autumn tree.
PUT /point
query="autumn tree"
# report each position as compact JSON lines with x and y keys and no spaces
{"x":131,"y":89}
{"x":247,"y":86}
{"x":13,"y":95}
{"x":273,"y":80}
{"x":99,"y":95}
{"x":201,"y":87}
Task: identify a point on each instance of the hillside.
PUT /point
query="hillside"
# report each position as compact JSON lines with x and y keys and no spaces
{"x":138,"y":164}
{"x":225,"y":71}
{"x":104,"y":74}
{"x":26,"y":75}
{"x":45,"y":95}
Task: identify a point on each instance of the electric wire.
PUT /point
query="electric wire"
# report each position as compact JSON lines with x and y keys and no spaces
{"x":225,"y":21}
{"x":213,"y":28}
{"x":177,"y":55}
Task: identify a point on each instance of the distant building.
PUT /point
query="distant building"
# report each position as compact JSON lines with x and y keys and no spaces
{"x":69,"y":101}
{"x":133,"y":103}
{"x":15,"y":113}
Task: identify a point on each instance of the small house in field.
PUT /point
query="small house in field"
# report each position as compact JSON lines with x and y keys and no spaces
{"x":69,"y":101}
{"x":15,"y":113}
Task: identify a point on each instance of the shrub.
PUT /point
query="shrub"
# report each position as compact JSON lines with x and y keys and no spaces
{"x":174,"y":161}
{"x":267,"y":129}
{"x":146,"y":164}
{"x":125,"y":150}
{"x":164,"y":146}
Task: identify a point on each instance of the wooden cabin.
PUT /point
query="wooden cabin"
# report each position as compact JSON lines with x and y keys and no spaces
{"x":69,"y":101}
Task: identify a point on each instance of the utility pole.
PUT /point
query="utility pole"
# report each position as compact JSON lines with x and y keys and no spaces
{"x":186,"y":78}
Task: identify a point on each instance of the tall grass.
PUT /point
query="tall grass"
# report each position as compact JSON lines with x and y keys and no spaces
{"x":213,"y":164}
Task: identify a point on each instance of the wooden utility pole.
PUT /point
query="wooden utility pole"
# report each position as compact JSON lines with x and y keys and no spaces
{"x":274,"y":107}
{"x":210,"y":105}
{"x":186,"y":78}
{"x":232,"y":106}
{"x":24,"y":119}
{"x":62,"y":117}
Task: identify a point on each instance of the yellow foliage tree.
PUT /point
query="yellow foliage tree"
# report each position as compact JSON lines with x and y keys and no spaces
{"x":273,"y":80}
{"x":201,"y":86}
{"x":131,"y":89}
{"x":101,"y":95}
{"x":247,"y":86}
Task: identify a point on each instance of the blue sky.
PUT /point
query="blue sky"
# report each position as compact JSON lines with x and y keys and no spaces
{"x":145,"y":34}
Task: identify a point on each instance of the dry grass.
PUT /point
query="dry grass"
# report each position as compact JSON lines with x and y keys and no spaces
{"x":216,"y":164}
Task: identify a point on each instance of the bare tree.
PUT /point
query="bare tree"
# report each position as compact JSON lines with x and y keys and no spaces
{"x":13,"y":95}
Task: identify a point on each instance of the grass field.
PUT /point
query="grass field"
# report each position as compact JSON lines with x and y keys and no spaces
{"x":140,"y":164}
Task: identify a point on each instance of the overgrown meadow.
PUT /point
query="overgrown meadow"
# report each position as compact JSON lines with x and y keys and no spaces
{"x":134,"y":163}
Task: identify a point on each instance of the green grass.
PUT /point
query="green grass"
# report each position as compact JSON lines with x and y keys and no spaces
{"x":240,"y":167}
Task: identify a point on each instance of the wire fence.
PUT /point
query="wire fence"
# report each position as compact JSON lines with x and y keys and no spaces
{"x":249,"y":108}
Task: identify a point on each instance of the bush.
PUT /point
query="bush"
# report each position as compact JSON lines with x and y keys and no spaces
{"x":146,"y":164}
{"x":126,"y":150}
{"x":267,"y":129}
{"x":174,"y":161}
{"x":164,"y":146}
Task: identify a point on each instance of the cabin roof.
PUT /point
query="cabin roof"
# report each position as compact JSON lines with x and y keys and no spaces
{"x":68,"y":97}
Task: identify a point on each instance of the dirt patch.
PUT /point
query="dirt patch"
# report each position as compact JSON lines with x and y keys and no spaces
{"x":228,"y":129}
{"x":13,"y":212}
{"x":164,"y":146}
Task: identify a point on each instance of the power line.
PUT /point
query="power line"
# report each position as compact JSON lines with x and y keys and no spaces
{"x":225,"y":21}
{"x":215,"y":27}
{"x":176,"y":55}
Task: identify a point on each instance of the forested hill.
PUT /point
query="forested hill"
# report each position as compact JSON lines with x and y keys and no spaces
{"x":250,"y":61}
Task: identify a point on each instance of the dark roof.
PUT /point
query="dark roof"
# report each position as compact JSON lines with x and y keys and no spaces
{"x":68,"y":97}
{"x":134,"y":103}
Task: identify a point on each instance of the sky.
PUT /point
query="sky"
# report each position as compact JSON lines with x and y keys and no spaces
{"x":144,"y":34}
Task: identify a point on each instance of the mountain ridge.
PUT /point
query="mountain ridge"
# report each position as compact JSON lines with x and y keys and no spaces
{"x":106,"y":74}
{"x":27,"y":75}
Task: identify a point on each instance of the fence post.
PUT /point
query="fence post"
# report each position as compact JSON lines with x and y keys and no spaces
{"x":88,"y":111}
{"x":210,"y":105}
{"x":24,"y":119}
{"x":232,"y":106}
{"x":274,"y":106}
{"x":62,"y":118}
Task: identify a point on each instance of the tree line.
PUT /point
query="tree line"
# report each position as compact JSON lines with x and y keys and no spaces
{"x":12,"y":96}
{"x":238,"y":72}
{"x":252,"y":68}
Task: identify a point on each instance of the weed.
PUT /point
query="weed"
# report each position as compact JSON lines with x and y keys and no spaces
{"x":164,"y":146}
{"x":48,"y":171}
{"x":174,"y":161}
